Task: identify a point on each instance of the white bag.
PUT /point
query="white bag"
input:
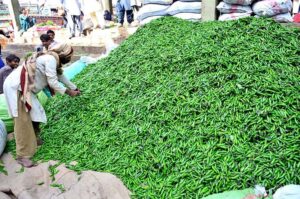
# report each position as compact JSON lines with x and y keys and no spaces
{"x":161,"y":2}
{"x":184,"y":7}
{"x":3,"y":136}
{"x":226,"y":8}
{"x":239,"y":2}
{"x":149,"y":19}
{"x":190,"y":0}
{"x":270,"y":8}
{"x":188,"y":16}
{"x":283,"y":18}
{"x":151,"y":10}
{"x":233,"y":16}
{"x":288,"y":192}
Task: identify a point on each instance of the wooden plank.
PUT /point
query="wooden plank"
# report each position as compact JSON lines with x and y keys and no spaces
{"x":296,"y":5}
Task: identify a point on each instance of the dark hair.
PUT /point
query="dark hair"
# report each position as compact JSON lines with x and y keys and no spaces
{"x":45,"y":37}
{"x":23,"y":8}
{"x":12,"y":57}
{"x":50,"y":31}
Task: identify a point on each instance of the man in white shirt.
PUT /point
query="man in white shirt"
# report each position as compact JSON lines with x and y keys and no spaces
{"x":23,"y":104}
{"x":73,"y":10}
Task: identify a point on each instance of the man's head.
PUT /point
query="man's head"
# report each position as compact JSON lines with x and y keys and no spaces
{"x":46,"y":40}
{"x":12,"y":60}
{"x":24,"y":11}
{"x":51,"y":34}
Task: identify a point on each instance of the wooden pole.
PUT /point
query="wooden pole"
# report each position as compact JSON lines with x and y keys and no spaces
{"x":209,"y":11}
{"x":14,"y":10}
{"x":108,"y":5}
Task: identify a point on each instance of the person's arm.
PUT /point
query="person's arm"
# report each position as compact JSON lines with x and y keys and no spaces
{"x":62,"y":78}
{"x":51,"y":74}
{"x":52,"y":78}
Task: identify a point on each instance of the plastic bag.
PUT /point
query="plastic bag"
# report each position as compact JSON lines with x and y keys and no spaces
{"x":288,"y":192}
{"x":226,"y":8}
{"x":149,"y":19}
{"x":283,"y":18}
{"x":239,"y":2}
{"x":189,"y":16}
{"x":184,"y":7}
{"x":3,"y":136}
{"x":258,"y":192}
{"x":270,"y":8}
{"x":4,"y":116}
{"x":233,"y":16}
{"x":71,"y":71}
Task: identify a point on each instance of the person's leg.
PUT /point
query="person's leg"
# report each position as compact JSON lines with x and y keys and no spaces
{"x":65,"y":21}
{"x":101,"y":20}
{"x":120,"y":13}
{"x":78,"y":24}
{"x":71,"y":25}
{"x":129,"y":15}
{"x":94,"y":19}
{"x":26,"y":143}
{"x":37,"y":130}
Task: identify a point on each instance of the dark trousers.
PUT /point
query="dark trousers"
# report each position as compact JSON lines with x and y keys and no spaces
{"x":73,"y":23}
{"x":121,"y":14}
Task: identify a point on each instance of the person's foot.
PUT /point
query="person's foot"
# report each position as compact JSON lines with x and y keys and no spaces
{"x":133,"y":24}
{"x":25,"y":162}
{"x":71,"y":36}
{"x":119,"y":25}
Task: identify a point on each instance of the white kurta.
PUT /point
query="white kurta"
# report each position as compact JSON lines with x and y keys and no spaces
{"x":73,"y":7}
{"x":45,"y":75}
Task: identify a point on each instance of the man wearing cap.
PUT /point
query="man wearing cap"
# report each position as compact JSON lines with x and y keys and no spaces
{"x":40,"y":71}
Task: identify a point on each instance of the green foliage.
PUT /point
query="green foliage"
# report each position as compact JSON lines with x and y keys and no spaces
{"x":184,"y":110}
{"x":47,"y":23}
{"x":2,"y":168}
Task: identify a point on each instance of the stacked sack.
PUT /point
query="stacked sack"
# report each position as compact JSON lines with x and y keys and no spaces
{"x":234,"y":9}
{"x":279,"y":10}
{"x":186,"y":9}
{"x":153,"y":9}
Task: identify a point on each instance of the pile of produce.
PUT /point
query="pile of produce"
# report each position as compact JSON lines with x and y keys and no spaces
{"x":184,"y":110}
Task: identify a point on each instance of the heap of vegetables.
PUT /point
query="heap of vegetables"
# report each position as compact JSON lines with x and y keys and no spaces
{"x":184,"y":110}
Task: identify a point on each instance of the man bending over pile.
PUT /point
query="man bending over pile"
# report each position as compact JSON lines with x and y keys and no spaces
{"x":39,"y":71}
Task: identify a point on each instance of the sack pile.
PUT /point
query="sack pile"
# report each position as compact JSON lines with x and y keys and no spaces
{"x":234,"y":9}
{"x":279,"y":10}
{"x":184,"y":9}
{"x":153,"y":9}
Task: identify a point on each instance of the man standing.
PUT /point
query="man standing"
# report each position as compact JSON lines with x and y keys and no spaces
{"x":73,"y":10}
